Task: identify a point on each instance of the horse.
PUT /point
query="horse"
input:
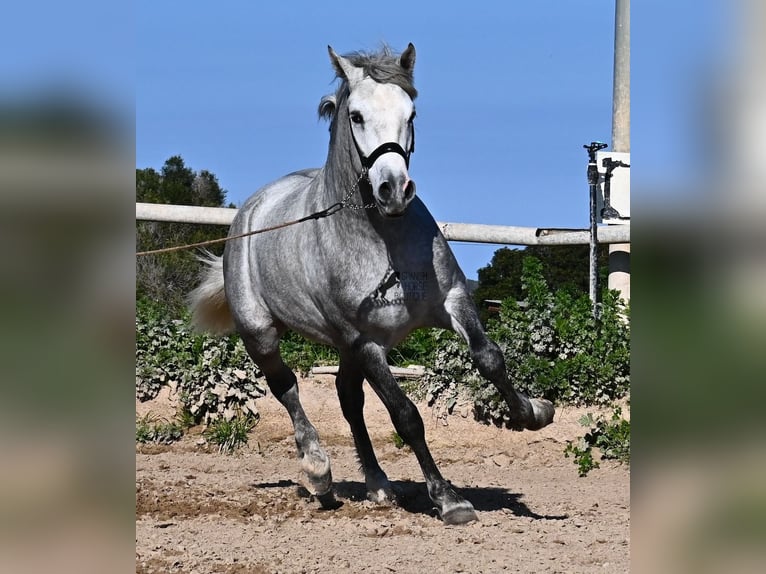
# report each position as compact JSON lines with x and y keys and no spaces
{"x":360,"y":278}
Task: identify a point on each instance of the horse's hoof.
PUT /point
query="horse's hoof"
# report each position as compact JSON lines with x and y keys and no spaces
{"x":543,"y":411}
{"x":328,"y":501}
{"x":316,"y":466}
{"x":383,"y":496}
{"x":461,"y":513}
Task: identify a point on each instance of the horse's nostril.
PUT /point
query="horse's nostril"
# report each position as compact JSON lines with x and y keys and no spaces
{"x":409,"y":190}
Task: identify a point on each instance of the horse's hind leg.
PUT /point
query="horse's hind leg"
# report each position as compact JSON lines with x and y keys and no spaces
{"x":409,"y":425}
{"x":532,"y":414}
{"x":264,"y":350}
{"x":349,"y":386}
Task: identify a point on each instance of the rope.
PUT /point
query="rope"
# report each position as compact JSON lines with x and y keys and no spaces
{"x":318,"y":215}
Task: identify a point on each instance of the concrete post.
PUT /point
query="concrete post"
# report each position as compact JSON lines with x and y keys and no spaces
{"x":619,"y":253}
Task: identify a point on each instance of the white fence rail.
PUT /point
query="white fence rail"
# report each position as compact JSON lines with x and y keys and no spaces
{"x":468,"y":232}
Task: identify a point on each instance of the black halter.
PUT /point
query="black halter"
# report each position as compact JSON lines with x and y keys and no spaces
{"x":388,"y":147}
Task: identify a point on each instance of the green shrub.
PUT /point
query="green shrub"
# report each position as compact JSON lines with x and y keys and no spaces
{"x":611,"y":437}
{"x":301,"y":355}
{"x":150,"y":428}
{"x":417,"y":349}
{"x":397,"y":440}
{"x":185,"y":418}
{"x":553,"y":348}
{"x":229,"y":435}
{"x":451,"y":375}
{"x":213,"y":376}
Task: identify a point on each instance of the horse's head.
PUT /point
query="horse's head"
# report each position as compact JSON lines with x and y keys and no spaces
{"x":380,"y":113}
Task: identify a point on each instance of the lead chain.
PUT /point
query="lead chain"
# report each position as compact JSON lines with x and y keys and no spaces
{"x":351,"y":192}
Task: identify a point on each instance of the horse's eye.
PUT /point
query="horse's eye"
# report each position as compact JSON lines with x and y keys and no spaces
{"x":356,"y":117}
{"x":412,"y":117}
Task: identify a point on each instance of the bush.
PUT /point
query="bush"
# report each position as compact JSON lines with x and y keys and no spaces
{"x":417,"y":349}
{"x":213,"y":376}
{"x":229,"y":435}
{"x":150,"y":428}
{"x":553,"y":348}
{"x":611,"y":437}
{"x":301,"y":355}
{"x":451,"y":375}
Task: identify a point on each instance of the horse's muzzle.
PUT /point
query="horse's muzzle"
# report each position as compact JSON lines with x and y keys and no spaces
{"x":393,"y":197}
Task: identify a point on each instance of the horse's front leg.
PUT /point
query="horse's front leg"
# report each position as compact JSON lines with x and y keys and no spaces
{"x":526,"y":413}
{"x":349,"y":386}
{"x":452,"y":508}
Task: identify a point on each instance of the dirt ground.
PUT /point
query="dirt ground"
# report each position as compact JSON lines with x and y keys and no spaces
{"x":198,"y":511}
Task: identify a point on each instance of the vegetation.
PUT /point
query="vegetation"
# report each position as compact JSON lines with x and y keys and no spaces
{"x":150,"y":428}
{"x":301,"y":355}
{"x":168,"y":277}
{"x":417,"y":349}
{"x":397,"y":440}
{"x":611,"y":437}
{"x":213,"y":376}
{"x":232,"y":434}
{"x":553,"y":347}
{"x":564,"y":268}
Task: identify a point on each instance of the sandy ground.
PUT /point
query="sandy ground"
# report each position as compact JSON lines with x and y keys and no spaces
{"x":198,"y":511}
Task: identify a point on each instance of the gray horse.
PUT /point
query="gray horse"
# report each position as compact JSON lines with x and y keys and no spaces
{"x":359,"y":277}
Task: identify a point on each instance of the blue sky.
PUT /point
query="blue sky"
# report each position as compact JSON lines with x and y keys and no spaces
{"x":509,"y":93}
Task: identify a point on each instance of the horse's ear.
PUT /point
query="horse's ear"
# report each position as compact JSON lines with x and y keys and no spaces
{"x":407,"y":59}
{"x":344,"y":68}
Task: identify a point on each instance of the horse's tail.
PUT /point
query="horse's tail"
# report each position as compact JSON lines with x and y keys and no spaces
{"x":209,"y":307}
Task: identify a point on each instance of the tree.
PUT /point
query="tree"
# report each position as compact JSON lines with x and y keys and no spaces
{"x":177,"y":181}
{"x":206,"y":191}
{"x":148,"y":183}
{"x":502,"y":277}
{"x":168,"y":277}
{"x":565,"y":267}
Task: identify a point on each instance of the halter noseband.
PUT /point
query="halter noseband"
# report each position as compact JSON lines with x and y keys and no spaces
{"x":388,"y":147}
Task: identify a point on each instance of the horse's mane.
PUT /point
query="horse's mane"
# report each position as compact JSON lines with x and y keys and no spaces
{"x":384,"y":67}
